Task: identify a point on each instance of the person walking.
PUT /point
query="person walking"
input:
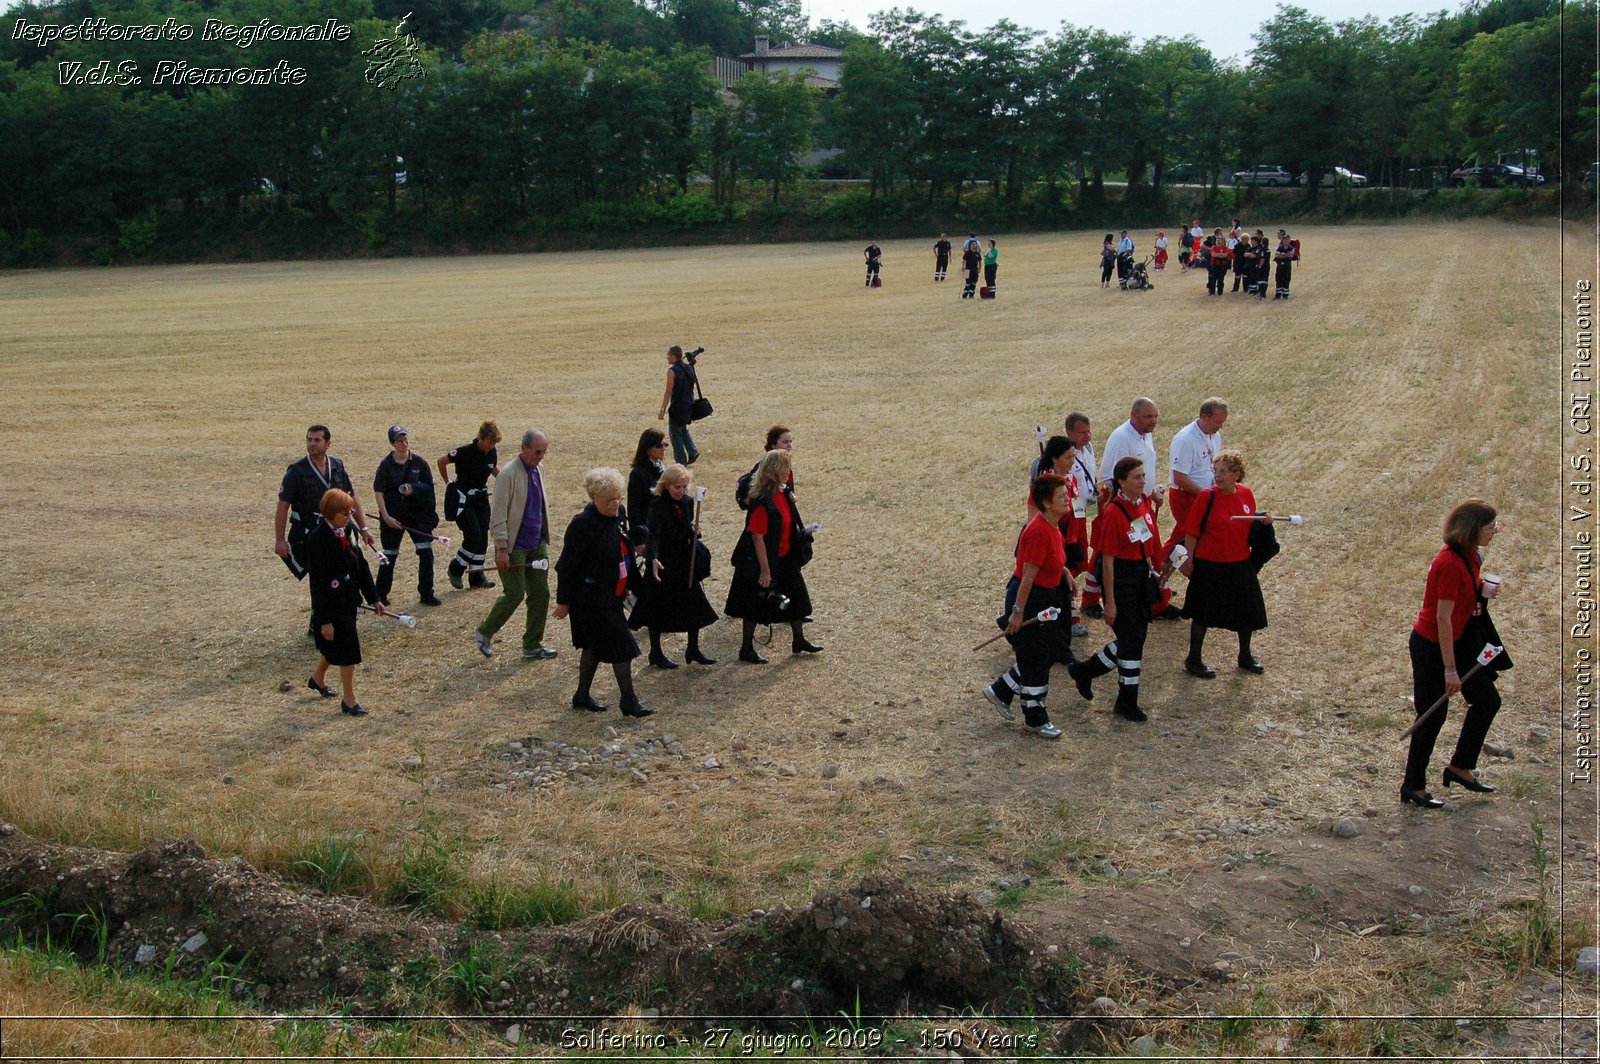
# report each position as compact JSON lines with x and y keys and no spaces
{"x":406,"y":503}
{"x":475,"y":463}
{"x":1191,"y":453}
{"x":519,"y":525}
{"x":1041,"y":563}
{"x":1128,"y":548}
{"x":676,"y":561}
{"x":677,"y":406}
{"x":1452,"y":629}
{"x":643,"y":474}
{"x":768,"y":586}
{"x":305,"y":481}
{"x":339,"y":579}
{"x":591,"y":581}
{"x":1224,"y":589}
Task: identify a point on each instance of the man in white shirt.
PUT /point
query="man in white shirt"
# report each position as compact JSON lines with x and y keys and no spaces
{"x":1137,"y":437}
{"x":1193,"y":448}
{"x":1124,"y":255}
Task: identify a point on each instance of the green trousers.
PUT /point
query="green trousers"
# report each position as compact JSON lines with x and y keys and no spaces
{"x":517,"y":584}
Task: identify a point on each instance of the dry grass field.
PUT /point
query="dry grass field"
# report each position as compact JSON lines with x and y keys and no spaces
{"x":150,"y":626}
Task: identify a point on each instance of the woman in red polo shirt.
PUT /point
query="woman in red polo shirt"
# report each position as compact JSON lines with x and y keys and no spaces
{"x":767,"y":584}
{"x":1128,"y":546}
{"x":1224,"y":591}
{"x":1451,"y":630}
{"x":1035,"y":585}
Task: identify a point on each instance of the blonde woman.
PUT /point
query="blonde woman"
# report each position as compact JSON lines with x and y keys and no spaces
{"x":767,"y":583}
{"x":676,"y":560}
{"x":591,"y":578}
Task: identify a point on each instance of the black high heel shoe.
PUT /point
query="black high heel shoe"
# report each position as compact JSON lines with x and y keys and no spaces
{"x":585,"y":702}
{"x":804,"y":646}
{"x":661,"y":661}
{"x":698,"y":658}
{"x":357,"y":710}
{"x":1452,"y":776}
{"x":749,"y":654}
{"x":1422,"y":798}
{"x":324,"y":691}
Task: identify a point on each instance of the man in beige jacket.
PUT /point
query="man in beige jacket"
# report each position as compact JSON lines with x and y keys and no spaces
{"x":519,"y":528}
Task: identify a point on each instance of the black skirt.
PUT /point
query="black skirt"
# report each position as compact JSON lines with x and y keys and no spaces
{"x":345,"y":646}
{"x":604,"y":630}
{"x":1225,"y":595}
{"x":671,"y":605}
{"x":746,"y":595}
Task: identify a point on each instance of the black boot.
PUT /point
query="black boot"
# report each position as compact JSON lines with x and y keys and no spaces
{"x":1127,"y":706}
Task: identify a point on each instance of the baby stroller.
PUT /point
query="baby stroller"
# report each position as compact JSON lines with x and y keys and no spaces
{"x":1137,"y":278}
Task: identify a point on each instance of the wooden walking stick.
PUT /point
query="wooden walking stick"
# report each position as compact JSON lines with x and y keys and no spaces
{"x":1488,"y":654}
{"x":1049,"y":613}
{"x":694,"y":540}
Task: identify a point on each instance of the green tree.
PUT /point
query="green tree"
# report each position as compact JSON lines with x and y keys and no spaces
{"x":776,"y":121}
{"x":875,"y":118}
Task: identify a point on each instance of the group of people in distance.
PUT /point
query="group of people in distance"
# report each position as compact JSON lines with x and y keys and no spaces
{"x":1250,"y":257}
{"x":1124,"y":559}
{"x":637,"y":541}
{"x":972,"y":254}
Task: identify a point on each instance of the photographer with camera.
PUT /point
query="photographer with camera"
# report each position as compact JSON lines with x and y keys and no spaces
{"x":677,"y":403}
{"x":767,"y":583}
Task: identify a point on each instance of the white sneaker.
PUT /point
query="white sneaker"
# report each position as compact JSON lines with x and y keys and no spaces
{"x":481,"y":641}
{"x":1048,"y":730}
{"x":1000,"y":706}
{"x":1079,"y":630}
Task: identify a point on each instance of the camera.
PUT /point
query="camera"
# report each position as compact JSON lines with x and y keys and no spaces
{"x":773,"y":599}
{"x":690,"y":356}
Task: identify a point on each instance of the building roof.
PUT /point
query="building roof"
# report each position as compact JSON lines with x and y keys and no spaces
{"x":797,"y":51}
{"x":821,"y":83}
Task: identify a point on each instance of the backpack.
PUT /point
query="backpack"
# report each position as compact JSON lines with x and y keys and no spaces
{"x":741,"y":493}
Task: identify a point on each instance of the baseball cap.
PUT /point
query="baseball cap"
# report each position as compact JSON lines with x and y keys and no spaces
{"x":396,"y":431}
{"x":1283,"y":232}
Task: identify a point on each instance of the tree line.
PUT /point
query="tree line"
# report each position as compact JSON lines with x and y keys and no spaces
{"x":605,"y":109}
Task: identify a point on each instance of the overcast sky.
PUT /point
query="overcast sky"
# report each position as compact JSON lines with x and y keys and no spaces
{"x":1223,"y":26}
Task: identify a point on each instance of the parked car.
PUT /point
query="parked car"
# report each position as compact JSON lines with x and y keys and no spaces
{"x":1187,"y":174}
{"x":1270,"y":175}
{"x":1342,"y":178}
{"x":1492,"y":175}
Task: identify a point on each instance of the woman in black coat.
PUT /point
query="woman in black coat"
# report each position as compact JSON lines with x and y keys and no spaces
{"x":767,"y":584}
{"x":339,"y":578}
{"x":642,"y":477}
{"x":591,"y":579}
{"x":670,"y":598}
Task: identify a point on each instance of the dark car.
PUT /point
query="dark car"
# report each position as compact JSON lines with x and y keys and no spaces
{"x":1492,"y":175}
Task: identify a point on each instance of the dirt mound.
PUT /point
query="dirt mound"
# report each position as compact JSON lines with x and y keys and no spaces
{"x":877,"y":947}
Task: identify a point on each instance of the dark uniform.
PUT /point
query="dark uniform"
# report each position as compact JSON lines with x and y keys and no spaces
{"x":415,"y":510}
{"x":303,"y":488}
{"x":591,"y":577}
{"x":1284,"y":256}
{"x":473,"y":467}
{"x":874,"y":256}
{"x":969,"y":264}
{"x":339,"y":581}
{"x":941,"y":258}
{"x":641,"y":487}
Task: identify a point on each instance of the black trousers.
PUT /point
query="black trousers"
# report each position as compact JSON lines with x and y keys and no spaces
{"x":1285,"y":272}
{"x":971,"y":283}
{"x":988,"y":274}
{"x":1124,"y":266}
{"x":1132,"y":623}
{"x":872,"y":271}
{"x":941,"y":264}
{"x":1105,"y":272}
{"x":1037,"y":647}
{"x":1427,"y":684}
{"x":1217,"y":278}
{"x":473,"y":520}
{"x":390,"y":539}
